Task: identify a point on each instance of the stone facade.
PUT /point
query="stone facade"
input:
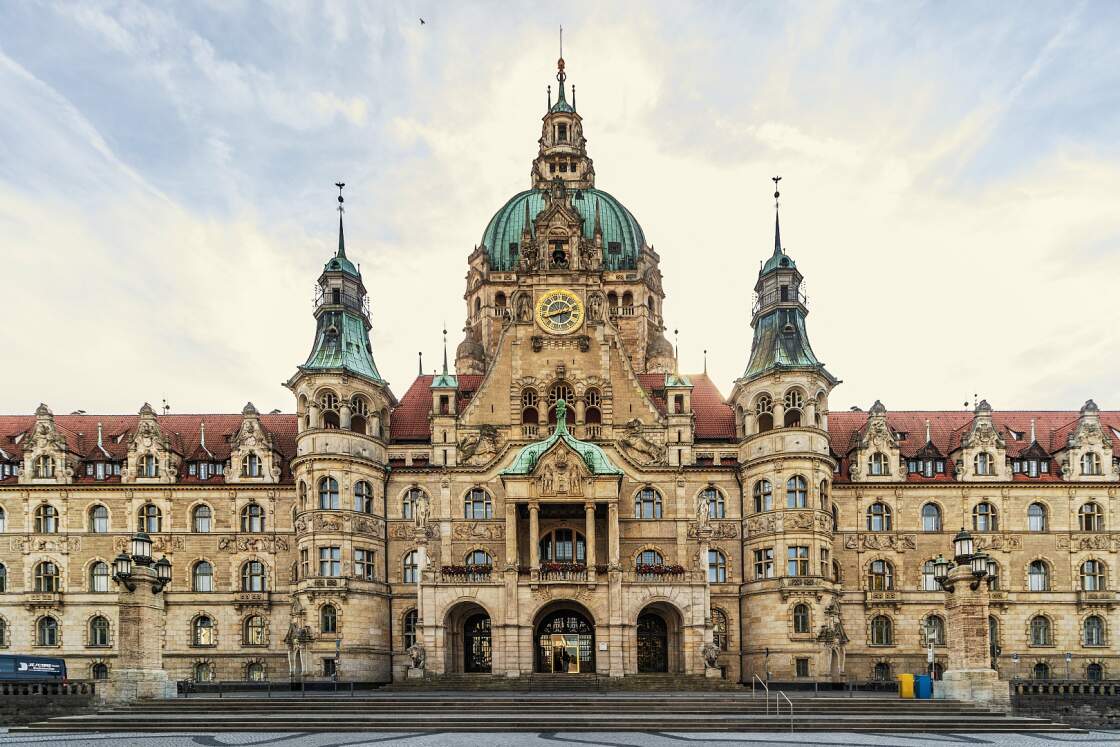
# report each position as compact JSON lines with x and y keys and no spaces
{"x":561,"y":497}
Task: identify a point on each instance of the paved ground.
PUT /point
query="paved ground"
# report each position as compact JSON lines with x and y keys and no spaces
{"x":560,"y":739}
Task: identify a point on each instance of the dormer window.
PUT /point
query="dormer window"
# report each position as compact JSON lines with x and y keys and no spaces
{"x":984,"y":464}
{"x":926,"y":467}
{"x":1091,"y":463}
{"x":149,"y":466}
{"x":878,"y":465}
{"x":205,"y":470}
{"x":251,"y":466}
{"x":1030,"y":467}
{"x":44,"y":467}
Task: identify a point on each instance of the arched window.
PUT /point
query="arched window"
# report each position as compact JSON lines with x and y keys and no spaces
{"x":720,"y":629}
{"x":882,"y":672}
{"x":46,"y":632}
{"x":563,"y":546}
{"x":408,"y":502}
{"x":252,"y":518}
{"x":98,"y":631}
{"x":363,"y":497}
{"x":1090,"y":463}
{"x":410,"y":622}
{"x":202,"y":631}
{"x":3,"y":580}
{"x":878,"y":517}
{"x":764,"y":413}
{"x":1041,"y":671}
{"x":561,"y":390}
{"x":1036,"y":518}
{"x":878,"y":465}
{"x":717,"y":567}
{"x":46,"y":519}
{"x":252,"y":576}
{"x":254,"y":672}
{"x":763,"y":496}
{"x":794,"y":401}
{"x":149,"y":519}
{"x":717,"y":507}
{"x":1094,"y":672}
{"x":149,"y":466}
{"x":797,"y":492}
{"x":647,"y":504}
{"x":994,"y":576}
{"x":929,"y":577}
{"x":328,"y":405}
{"x":592,"y":411}
{"x":479,"y":559}
{"x":359,"y":413}
{"x":477,"y":505}
{"x":328,"y":493}
{"x":99,"y":671}
{"x":882,"y":631}
{"x":984,"y":464}
{"x":99,"y":519}
{"x":801,"y":618}
{"x":47,"y":578}
{"x":1040,"y":631}
{"x":200,"y":518}
{"x":530,"y":415}
{"x":251,"y":466}
{"x":44,"y":467}
{"x":931,"y":518}
{"x":328,"y":619}
{"x":1038,"y":576}
{"x":933,"y":628}
{"x":410,"y":570}
{"x":1091,"y":517}
{"x":3,"y":520}
{"x":984,"y":517}
{"x":1093,"y":631}
{"x":99,"y":577}
{"x":1092,"y":576}
{"x":880,"y":576}
{"x":628,"y":300}
{"x":202,"y":576}
{"x":647,"y":559}
{"x":302,"y":495}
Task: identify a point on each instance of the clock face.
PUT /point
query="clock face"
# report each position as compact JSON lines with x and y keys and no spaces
{"x":559,"y":311}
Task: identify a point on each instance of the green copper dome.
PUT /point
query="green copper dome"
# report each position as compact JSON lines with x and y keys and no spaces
{"x":598,"y":463}
{"x":622,"y":236}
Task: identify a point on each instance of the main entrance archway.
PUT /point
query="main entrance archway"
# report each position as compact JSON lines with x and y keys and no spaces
{"x":469,"y":643}
{"x":653,"y":643}
{"x":565,"y":642}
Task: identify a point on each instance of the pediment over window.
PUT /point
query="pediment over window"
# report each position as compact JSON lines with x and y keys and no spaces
{"x":876,"y":456}
{"x":46,"y":457}
{"x":151,"y":455}
{"x":253,"y":456}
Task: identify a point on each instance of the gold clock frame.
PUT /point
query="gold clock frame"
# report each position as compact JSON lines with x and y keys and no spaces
{"x":576,"y":305}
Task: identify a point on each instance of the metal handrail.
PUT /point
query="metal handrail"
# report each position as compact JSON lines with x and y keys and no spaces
{"x":777,"y":707}
{"x":766,"y":687}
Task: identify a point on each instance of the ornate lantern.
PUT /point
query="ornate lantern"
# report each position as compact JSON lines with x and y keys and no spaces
{"x":962,"y":546}
{"x":980,"y":565}
{"x":142,"y":548}
{"x":940,"y":568}
{"x":163,"y":570}
{"x":122,"y":566}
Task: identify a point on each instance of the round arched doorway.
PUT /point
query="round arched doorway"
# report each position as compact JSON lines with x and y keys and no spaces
{"x":468,"y":639}
{"x":659,"y":634}
{"x":565,"y":642}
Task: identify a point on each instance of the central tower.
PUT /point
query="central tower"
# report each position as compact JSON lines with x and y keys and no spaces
{"x":565,"y":234}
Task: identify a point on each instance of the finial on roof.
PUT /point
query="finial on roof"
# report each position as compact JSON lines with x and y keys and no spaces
{"x":249,"y":409}
{"x":341,"y":237}
{"x":42,"y":410}
{"x":929,"y":434}
{"x":777,"y":230}
{"x":444,"y":351}
{"x":1033,"y":439}
{"x":983,"y":407}
{"x":705,"y":362}
{"x":99,"y":434}
{"x":878,"y":408}
{"x":549,"y":87}
{"x":573,"y":97}
{"x":201,"y":433}
{"x":561,"y":416}
{"x":561,"y":76}
{"x":166,"y":407}
{"x":420,"y":358}
{"x":146,"y":409}
{"x":676,"y":352}
{"x":1089,"y":408}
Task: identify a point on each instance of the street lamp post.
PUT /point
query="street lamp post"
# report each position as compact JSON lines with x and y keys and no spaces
{"x":967,"y":582}
{"x":138,"y":673}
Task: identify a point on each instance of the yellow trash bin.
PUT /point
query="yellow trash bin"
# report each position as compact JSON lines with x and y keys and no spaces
{"x":906,"y":686}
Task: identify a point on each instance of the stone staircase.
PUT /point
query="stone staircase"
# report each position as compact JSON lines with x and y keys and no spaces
{"x":395,"y":710}
{"x":564,"y":683}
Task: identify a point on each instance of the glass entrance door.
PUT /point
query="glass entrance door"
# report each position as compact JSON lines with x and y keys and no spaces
{"x":565,"y":644}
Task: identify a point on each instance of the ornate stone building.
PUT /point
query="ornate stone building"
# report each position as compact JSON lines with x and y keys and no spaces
{"x":562,"y":498}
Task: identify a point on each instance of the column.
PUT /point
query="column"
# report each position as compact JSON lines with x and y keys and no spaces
{"x":511,"y":534}
{"x":138,"y":672}
{"x":344,"y":417}
{"x":589,"y":538}
{"x":612,"y":533}
{"x":313,"y":416}
{"x":971,"y":677}
{"x":534,"y":538}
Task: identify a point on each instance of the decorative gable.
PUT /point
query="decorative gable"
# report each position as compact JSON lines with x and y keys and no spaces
{"x":1089,"y":455}
{"x":561,"y":472}
{"x":983,"y":449}
{"x":151,"y":457}
{"x":877,"y":457}
{"x":46,"y":458}
{"x":253,"y":457}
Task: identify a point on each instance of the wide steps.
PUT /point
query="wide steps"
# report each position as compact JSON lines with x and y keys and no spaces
{"x":486,"y":712}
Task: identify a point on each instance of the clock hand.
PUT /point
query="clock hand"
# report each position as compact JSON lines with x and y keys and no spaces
{"x":557,"y":313}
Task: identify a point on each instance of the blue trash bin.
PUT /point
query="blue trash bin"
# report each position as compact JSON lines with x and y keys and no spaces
{"x":923,"y":686}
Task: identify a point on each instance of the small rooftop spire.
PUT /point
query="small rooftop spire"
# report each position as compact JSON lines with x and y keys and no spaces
{"x":561,"y":76}
{"x":705,"y":362}
{"x":777,"y":230}
{"x":99,"y":434}
{"x":929,"y":436}
{"x":676,"y":352}
{"x":1033,"y":439}
{"x":445,"y":351}
{"x":420,"y":356}
{"x":202,"y":434}
{"x":341,"y":237}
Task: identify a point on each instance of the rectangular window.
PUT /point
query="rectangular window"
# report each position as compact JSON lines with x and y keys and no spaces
{"x":330,"y":561}
{"x":1045,"y":465}
{"x":562,"y":132}
{"x":89,"y":469}
{"x":99,"y":471}
{"x":192,"y":468}
{"x":802,"y":667}
{"x":764,"y":563}
{"x":563,"y":167}
{"x":330,"y":667}
{"x":940,"y":466}
{"x":363,"y":565}
{"x":826,"y":565}
{"x":614,"y":247}
{"x":797,"y":563}
{"x":304,"y":564}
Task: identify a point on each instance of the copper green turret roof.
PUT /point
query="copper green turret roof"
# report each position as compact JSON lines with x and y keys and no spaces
{"x":593,"y":457}
{"x":781,"y":342}
{"x":339,"y":262}
{"x":342,"y":342}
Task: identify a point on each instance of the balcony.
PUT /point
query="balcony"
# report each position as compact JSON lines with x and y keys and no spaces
{"x":465,"y":574}
{"x":665,"y":574}
{"x":324,"y":441}
{"x":570,"y":573}
{"x":883,"y":597}
{"x":592,"y":432}
{"x":1103,"y":598}
{"x":530,"y":430}
{"x":617,"y":311}
{"x":334,"y":297}
{"x":776,"y":297}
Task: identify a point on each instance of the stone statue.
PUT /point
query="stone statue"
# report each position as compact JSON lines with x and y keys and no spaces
{"x":703,"y":509}
{"x":481,"y":447}
{"x":422,"y":511}
{"x":710,"y":652}
{"x":524,"y":308}
{"x":595,"y":307}
{"x":640,"y":447}
{"x":418,"y":655}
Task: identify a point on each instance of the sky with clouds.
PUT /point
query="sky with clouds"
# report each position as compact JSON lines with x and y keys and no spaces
{"x":951,"y":183}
